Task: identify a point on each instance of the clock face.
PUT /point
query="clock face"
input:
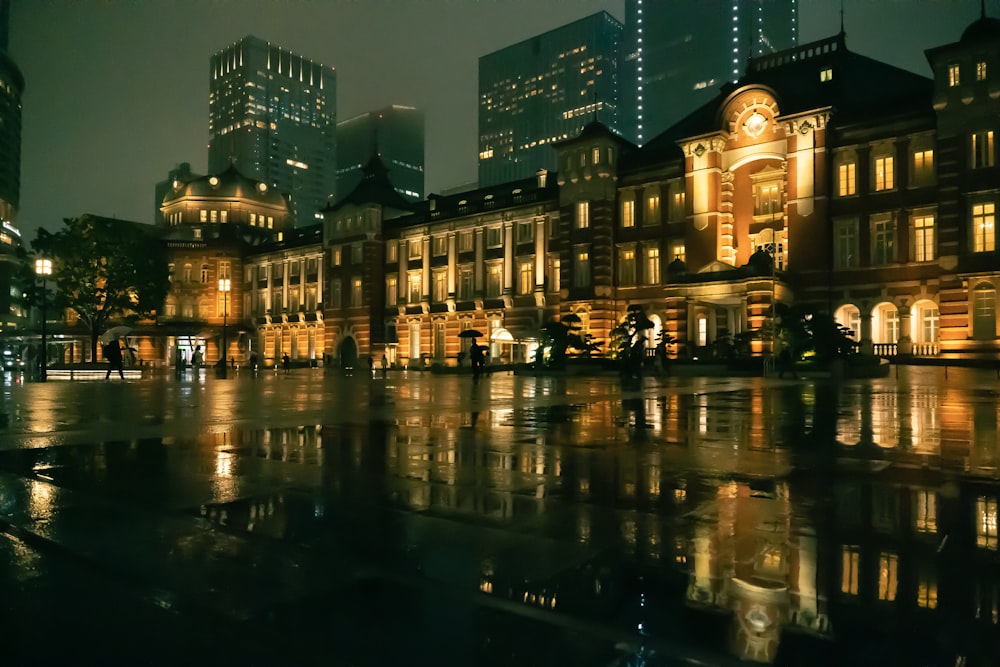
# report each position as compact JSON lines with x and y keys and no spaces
{"x":754,"y":125}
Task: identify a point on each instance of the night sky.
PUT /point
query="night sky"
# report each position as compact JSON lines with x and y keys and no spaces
{"x":116,"y":92}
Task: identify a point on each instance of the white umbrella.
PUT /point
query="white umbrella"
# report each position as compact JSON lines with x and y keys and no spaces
{"x":114,"y":333}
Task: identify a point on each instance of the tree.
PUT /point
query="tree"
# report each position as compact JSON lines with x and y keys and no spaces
{"x":106,"y":270}
{"x":629,"y":338}
{"x":557,"y":336}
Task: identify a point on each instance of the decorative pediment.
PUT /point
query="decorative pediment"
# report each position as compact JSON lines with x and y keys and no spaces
{"x":716,"y":267}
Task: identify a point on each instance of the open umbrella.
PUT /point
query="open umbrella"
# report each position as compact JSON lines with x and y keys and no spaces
{"x":471,"y":333}
{"x":114,"y":333}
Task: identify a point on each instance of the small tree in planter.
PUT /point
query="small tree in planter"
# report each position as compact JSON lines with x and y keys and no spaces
{"x":628,"y":339}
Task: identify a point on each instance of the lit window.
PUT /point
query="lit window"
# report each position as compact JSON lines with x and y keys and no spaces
{"x":850,"y":569}
{"x":581,"y":268}
{"x":253,"y":219}
{"x":923,"y":168}
{"x":923,"y":238}
{"x":204,"y":273}
{"x":555,"y":279}
{"x":213,"y":216}
{"x":465,"y":282}
{"x":203,"y":215}
{"x":628,"y":213}
{"x":652,"y":210}
{"x":391,"y":291}
{"x":392,"y":252}
{"x":846,"y":179}
{"x":986,"y":523}
{"x":595,"y":154}
{"x":626,"y":267}
{"x":883,"y":173}
{"x":982,"y":149}
{"x":678,"y":252}
{"x":465,"y":242}
{"x":826,"y":74}
{"x":677,"y":211}
{"x":440,"y":286}
{"x":767,"y":200}
{"x":652,"y":264}
{"x":980,"y":71}
{"x":927,"y":591}
{"x":582,"y":214}
{"x":440,"y":245}
{"x":953,"y":78}
{"x":925,"y":502}
{"x":413,"y":281}
{"x":494,"y":279}
{"x":983,"y":227}
{"x":526,"y":277}
{"x":888,"y":576}
{"x":416,"y":248}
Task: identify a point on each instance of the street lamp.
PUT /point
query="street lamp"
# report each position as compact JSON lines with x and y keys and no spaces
{"x":43,"y":267}
{"x":225,"y":284}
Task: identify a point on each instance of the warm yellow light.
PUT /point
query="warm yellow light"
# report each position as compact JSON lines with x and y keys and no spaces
{"x":224,"y":284}
{"x":43,"y":267}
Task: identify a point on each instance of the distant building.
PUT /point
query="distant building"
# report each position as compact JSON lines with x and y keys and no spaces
{"x":11,"y":89}
{"x":273,"y":114}
{"x":544,"y":89}
{"x":677,"y":54}
{"x":396,"y":134}
{"x":181,"y":173}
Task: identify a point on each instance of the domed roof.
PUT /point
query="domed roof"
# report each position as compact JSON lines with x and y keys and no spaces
{"x":230,"y":184}
{"x":983,"y":29}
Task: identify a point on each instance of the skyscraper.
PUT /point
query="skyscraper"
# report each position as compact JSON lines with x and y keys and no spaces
{"x":545,"y":89}
{"x":273,"y":114}
{"x":11,"y":89}
{"x":678,"y":53}
{"x":396,"y":133}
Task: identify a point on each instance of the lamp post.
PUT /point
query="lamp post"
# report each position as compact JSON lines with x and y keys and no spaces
{"x":225,"y":284}
{"x":43,"y":267}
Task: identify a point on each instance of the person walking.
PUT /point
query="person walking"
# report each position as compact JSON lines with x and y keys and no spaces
{"x":286,"y":362}
{"x":385,"y":365}
{"x":113,"y":353}
{"x":197,"y":358}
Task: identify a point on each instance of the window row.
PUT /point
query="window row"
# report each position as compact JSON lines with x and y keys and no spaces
{"x":955,"y":73}
{"x":525,"y":281}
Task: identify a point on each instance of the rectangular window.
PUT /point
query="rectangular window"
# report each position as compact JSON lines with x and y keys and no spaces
{"x":850,"y":569}
{"x":392,"y":252}
{"x":336,"y":293}
{"x":923,"y":238}
{"x":357,"y":253}
{"x":923,"y":168}
{"x":465,"y":242}
{"x":416,"y":248}
{"x":213,"y":216}
{"x":525,"y":232}
{"x":555,"y":277}
{"x":652,"y":210}
{"x":983,"y":227}
{"x":628,"y":213}
{"x":582,"y":214}
{"x":826,"y":74}
{"x":494,"y":237}
{"x":677,"y":206}
{"x":767,"y":200}
{"x":847,"y":179}
{"x":526,"y":277}
{"x":225,"y":268}
{"x":494,"y":279}
{"x":925,"y":511}
{"x":414,"y":287}
{"x":203,"y":215}
{"x":465,"y":283}
{"x":953,"y":76}
{"x":884,"y":173}
{"x":223,"y":216}
{"x":888,"y":576}
{"x":982,"y":149}
{"x":927,"y":591}
{"x":253,"y":219}
{"x":440,"y":286}
{"x":929,"y":321}
{"x":981,"y":71}
{"x":337,"y":256}
{"x":626,"y":267}
{"x":652,"y":264}
{"x":677,"y":251}
{"x":883,"y":241}
{"x":391,"y":291}
{"x":846,"y":244}
{"x":356,"y":293}
{"x":440,"y":245}
{"x":986,"y":523}
{"x":581,"y":268}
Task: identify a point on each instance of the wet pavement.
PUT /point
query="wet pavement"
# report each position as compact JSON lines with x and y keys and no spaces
{"x":417,"y":519}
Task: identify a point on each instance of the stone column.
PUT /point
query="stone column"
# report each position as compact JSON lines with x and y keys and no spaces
{"x":905,"y":342}
{"x":866,"y":346}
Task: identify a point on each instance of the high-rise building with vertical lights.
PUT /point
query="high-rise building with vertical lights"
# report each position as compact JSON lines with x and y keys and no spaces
{"x":273,"y":114}
{"x":678,"y":53}
{"x":11,"y":89}
{"x":545,"y":89}
{"x":396,"y":134}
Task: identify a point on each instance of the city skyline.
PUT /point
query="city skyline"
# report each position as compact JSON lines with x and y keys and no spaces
{"x":107,"y":161}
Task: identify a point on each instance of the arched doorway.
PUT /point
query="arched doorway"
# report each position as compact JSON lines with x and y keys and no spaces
{"x":348,"y":353}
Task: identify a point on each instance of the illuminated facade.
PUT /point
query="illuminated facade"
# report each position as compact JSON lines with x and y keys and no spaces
{"x":273,"y":114}
{"x":545,"y":89}
{"x":677,"y":55}
{"x":396,"y":134}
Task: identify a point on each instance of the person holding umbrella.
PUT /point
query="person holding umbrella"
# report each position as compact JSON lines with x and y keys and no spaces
{"x":112,"y":350}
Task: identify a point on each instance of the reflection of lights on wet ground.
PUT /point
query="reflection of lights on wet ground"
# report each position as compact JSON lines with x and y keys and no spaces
{"x":41,"y":496}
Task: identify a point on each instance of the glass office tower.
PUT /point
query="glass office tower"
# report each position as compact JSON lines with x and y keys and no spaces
{"x":544,"y":89}
{"x":396,"y":133}
{"x":273,"y":114}
{"x":677,"y":54}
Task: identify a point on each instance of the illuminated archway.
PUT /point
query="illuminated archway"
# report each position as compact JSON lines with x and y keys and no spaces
{"x":924,"y":323}
{"x":849,"y":316}
{"x":885,"y":323}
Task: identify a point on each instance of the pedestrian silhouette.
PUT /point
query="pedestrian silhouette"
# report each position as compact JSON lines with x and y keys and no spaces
{"x":113,"y":353}
{"x":285,"y":362}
